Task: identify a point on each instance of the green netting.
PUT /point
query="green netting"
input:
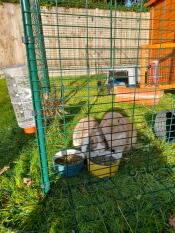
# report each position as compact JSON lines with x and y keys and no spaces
{"x":96,"y":61}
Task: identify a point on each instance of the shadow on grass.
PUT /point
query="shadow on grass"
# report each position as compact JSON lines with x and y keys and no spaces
{"x":12,"y":143}
{"x":138,"y":199}
{"x":73,"y":89}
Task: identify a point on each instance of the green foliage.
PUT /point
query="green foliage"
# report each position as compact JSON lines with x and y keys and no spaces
{"x":92,"y":4}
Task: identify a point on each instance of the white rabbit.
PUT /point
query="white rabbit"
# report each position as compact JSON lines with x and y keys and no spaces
{"x":88,"y":135}
{"x":118,"y":132}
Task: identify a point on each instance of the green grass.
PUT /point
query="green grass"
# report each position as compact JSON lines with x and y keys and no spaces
{"x":139,"y":198}
{"x":16,"y":151}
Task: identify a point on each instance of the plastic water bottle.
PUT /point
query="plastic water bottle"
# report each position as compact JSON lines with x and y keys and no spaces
{"x":21,"y":96}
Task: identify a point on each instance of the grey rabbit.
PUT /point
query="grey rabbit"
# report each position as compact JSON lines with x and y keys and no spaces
{"x":119,"y":133}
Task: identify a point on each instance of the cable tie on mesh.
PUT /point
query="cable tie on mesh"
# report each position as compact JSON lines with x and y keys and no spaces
{"x":45,"y":185}
{"x":28,"y":40}
{"x":36,"y":113}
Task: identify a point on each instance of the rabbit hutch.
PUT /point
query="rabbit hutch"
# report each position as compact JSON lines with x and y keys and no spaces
{"x":156,"y":57}
{"x":162,"y":42}
{"x":109,"y":155}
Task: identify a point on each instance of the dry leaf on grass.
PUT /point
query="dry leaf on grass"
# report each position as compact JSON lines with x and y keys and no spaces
{"x":28,"y":181}
{"x":172,"y":221}
{"x":4,"y":169}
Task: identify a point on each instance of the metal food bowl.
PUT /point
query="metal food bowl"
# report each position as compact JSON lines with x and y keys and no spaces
{"x":62,"y":164}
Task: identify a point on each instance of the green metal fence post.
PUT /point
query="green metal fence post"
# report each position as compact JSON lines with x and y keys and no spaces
{"x":45,"y":83}
{"x":32,"y":65}
{"x":111,"y":48}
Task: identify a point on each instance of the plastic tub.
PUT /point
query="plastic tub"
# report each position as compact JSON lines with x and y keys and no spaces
{"x":67,"y":169}
{"x":148,"y":96}
{"x":101,"y":170}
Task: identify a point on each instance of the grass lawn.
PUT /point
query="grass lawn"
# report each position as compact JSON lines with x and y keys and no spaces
{"x":135,"y":200}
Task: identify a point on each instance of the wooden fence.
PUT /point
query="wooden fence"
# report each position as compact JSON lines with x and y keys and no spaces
{"x":129,"y":31}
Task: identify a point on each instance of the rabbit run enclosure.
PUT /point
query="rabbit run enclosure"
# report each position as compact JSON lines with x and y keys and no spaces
{"x":102,"y":82}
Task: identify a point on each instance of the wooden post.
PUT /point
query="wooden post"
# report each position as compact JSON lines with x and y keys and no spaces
{"x":142,"y":67}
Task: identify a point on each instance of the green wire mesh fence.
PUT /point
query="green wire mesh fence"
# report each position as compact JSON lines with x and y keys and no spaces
{"x":99,"y":79}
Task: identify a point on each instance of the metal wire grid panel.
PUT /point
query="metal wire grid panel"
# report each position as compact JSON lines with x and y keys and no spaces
{"x":77,"y":52}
